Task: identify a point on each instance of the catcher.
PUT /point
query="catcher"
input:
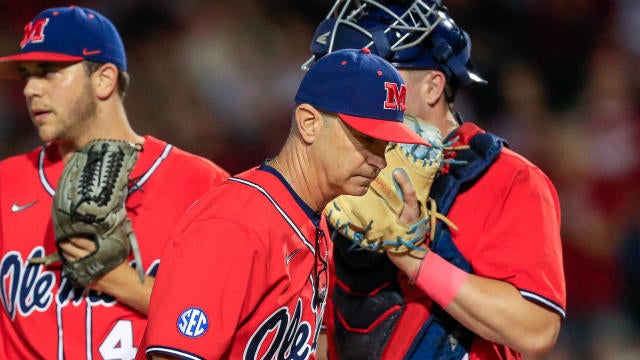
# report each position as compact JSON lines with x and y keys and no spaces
{"x":492,"y":287}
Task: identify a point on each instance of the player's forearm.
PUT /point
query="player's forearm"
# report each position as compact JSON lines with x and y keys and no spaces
{"x":123,"y":283}
{"x":496,"y":311}
{"x":492,"y":309}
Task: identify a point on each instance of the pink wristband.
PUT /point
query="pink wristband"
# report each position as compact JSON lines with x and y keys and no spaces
{"x":439,"y":279}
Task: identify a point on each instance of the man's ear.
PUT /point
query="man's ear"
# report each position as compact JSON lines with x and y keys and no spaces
{"x":436,"y":83}
{"x":105,"y":80}
{"x":308,"y":121}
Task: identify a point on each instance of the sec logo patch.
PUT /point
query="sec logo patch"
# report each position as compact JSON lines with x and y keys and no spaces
{"x":193,"y":323}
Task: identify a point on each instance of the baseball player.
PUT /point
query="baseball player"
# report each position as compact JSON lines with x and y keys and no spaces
{"x":245,"y":275}
{"x":494,"y":287}
{"x":73,"y":64}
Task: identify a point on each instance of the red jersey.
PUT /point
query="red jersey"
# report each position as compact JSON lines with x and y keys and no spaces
{"x":241,"y":275}
{"x":44,"y":317}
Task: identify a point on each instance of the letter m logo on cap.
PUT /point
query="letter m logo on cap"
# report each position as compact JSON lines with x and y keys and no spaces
{"x":396,"y":97}
{"x":34,"y":32}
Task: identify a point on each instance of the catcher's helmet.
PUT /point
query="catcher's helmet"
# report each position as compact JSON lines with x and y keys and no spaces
{"x":411,"y":34}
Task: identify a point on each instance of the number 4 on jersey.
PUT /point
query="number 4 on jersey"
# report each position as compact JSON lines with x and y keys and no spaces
{"x":119,"y":343}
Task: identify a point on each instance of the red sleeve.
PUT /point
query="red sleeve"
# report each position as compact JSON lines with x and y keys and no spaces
{"x":521,"y":240}
{"x":208,"y":272}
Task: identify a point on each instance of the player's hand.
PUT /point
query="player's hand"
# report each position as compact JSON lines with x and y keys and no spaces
{"x":76,"y":248}
{"x":410,"y":213}
{"x":411,"y":209}
{"x":122,"y":282}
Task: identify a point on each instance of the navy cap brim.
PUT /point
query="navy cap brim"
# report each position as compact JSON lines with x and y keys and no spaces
{"x":9,"y":64}
{"x":386,"y":130}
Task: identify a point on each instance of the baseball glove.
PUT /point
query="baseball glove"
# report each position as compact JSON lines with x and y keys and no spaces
{"x":372,"y":221}
{"x":90,"y":203}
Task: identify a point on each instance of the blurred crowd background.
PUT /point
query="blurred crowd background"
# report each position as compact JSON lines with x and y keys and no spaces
{"x":218,"y":78}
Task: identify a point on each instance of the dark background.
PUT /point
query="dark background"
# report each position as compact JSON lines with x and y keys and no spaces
{"x":218,"y":78}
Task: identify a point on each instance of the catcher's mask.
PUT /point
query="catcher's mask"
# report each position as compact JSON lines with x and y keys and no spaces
{"x":411,"y":34}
